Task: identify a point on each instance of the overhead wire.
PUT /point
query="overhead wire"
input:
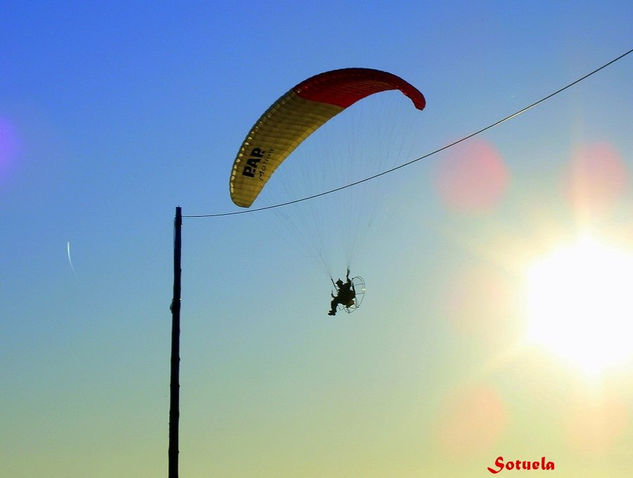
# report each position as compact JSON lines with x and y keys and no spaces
{"x":408,"y":163}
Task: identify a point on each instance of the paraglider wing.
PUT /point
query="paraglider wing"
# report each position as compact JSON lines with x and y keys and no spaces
{"x":296,"y":115}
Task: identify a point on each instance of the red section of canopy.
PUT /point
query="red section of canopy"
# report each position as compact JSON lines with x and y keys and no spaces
{"x":345,"y":87}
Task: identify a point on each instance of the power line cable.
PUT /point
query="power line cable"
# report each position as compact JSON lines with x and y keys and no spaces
{"x":408,"y":163}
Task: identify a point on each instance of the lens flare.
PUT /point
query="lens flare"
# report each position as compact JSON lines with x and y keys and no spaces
{"x":472,"y":421}
{"x":473,"y":177}
{"x":8,"y":146}
{"x":596,"y":177}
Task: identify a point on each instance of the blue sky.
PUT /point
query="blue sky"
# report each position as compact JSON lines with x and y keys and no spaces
{"x":112,"y":115}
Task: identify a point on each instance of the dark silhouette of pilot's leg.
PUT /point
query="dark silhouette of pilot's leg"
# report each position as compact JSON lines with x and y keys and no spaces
{"x":333,"y":305}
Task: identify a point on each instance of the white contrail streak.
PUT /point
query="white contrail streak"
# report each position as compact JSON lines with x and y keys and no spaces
{"x":70,"y":261}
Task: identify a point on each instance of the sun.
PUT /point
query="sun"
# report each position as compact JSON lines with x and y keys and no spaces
{"x":580,"y":304}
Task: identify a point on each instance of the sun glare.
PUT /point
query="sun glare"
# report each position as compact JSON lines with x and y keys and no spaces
{"x":580,"y":305}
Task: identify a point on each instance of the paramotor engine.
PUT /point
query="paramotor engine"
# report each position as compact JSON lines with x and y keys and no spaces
{"x":358,"y":287}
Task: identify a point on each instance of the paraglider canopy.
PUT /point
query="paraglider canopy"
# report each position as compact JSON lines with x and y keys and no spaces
{"x":296,"y":115}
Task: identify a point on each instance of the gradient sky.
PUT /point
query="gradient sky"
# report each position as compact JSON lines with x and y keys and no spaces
{"x":112,"y":114}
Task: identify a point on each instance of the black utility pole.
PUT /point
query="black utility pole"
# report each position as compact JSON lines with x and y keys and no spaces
{"x":174,"y":387}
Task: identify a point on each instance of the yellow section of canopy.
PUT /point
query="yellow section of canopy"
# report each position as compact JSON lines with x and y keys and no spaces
{"x":276,"y":134}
